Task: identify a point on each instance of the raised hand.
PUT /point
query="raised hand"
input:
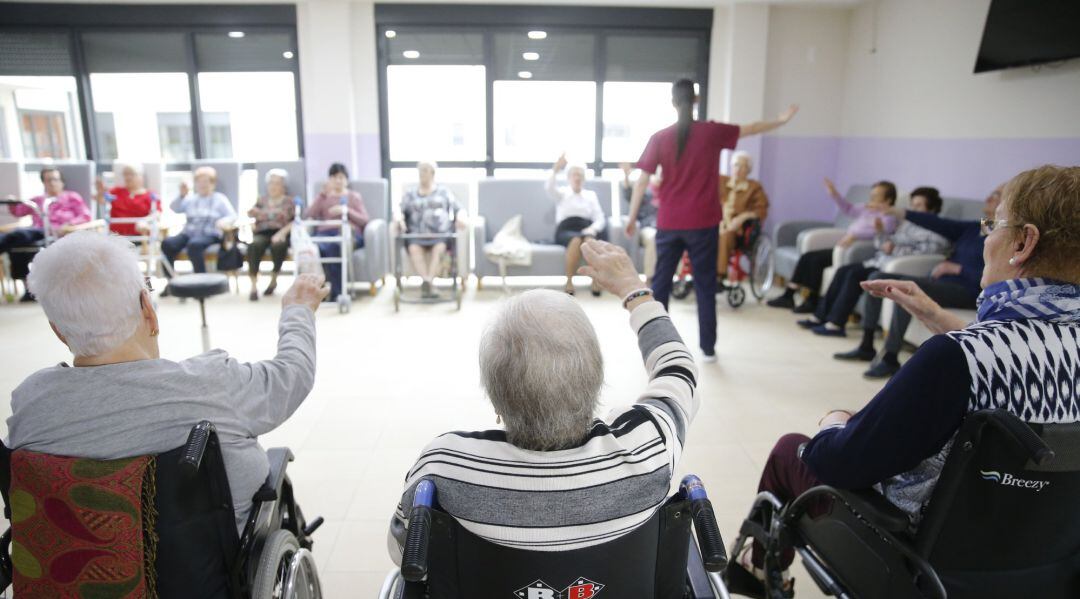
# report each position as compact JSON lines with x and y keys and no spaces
{"x":308,"y":290}
{"x":829,"y":187}
{"x":560,"y":164}
{"x":788,"y":114}
{"x":609,"y":267}
{"x":184,"y":189}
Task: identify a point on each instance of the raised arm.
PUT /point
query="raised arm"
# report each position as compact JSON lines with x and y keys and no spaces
{"x":551,"y":186}
{"x":911,"y":297}
{"x":946,"y":227}
{"x":766,"y":126}
{"x":269,"y":391}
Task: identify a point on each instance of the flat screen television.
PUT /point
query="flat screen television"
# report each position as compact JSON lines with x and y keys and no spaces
{"x":1029,"y":32}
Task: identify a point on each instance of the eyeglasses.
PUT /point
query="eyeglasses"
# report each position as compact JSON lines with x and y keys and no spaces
{"x":988,"y":225}
{"x":149,"y":284}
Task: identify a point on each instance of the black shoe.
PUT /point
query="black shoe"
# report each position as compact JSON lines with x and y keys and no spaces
{"x":254,"y":294}
{"x":881,"y":370}
{"x":826,"y":331}
{"x":807,"y":307}
{"x":859,"y":354}
{"x":784,"y":301}
{"x":809,"y":323}
{"x":27,"y":298}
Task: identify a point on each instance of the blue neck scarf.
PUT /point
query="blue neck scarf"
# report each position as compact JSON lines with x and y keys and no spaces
{"x":1030,"y":299}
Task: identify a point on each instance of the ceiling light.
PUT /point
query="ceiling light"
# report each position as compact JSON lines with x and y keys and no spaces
{"x":537,"y":35}
{"x":411,"y":54}
{"x":390,"y":33}
{"x":525,"y":74}
{"x":531,"y":56}
{"x":287,"y":54}
{"x":236,"y":34}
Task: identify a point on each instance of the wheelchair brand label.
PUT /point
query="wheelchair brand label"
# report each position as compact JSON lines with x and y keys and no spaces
{"x":580,"y":588}
{"x":1007,"y":480}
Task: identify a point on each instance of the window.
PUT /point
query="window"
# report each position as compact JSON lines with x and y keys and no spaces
{"x":251,"y":116}
{"x":633,"y":111}
{"x":174,"y":133}
{"x":436,"y":112}
{"x":44,"y":118}
{"x":106,"y":131}
{"x":536,"y":121}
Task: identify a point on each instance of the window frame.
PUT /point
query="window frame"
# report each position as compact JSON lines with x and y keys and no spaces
{"x":74,"y":20}
{"x":645,"y":22}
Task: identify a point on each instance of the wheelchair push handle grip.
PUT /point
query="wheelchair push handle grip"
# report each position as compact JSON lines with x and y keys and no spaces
{"x":710,"y":542}
{"x":414,"y":558}
{"x":195,"y":448}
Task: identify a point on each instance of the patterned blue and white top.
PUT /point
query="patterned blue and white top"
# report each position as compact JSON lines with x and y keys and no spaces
{"x":1022,"y":355}
{"x":431,"y":213}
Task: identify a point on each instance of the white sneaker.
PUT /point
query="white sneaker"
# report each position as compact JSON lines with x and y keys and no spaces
{"x":709,"y":358}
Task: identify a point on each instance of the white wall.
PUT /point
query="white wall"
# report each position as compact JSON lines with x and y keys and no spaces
{"x":918,"y":80}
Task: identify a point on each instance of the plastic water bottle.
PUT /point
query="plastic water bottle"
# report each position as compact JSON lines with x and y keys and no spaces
{"x":305,"y":252}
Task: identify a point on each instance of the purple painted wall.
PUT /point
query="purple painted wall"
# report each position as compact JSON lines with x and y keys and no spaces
{"x":792,"y":168}
{"x":359,"y":153}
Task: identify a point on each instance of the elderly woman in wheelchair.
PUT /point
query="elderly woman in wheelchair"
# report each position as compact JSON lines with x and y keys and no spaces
{"x":554,"y":499}
{"x":969,"y":448}
{"x":107,"y":473}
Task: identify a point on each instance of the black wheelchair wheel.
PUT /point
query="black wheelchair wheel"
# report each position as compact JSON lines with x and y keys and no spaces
{"x":736,"y":296}
{"x":762,"y":267}
{"x":273,"y":568}
{"x":682,"y":288}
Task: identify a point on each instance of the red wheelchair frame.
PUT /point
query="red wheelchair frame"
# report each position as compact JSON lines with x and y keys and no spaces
{"x":759,"y":270}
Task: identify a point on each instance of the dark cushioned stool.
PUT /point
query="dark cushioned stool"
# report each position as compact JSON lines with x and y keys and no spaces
{"x":200,"y":286}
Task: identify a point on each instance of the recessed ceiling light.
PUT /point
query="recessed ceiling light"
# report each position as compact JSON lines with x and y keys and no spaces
{"x":236,"y":34}
{"x":390,"y":33}
{"x":537,"y":35}
{"x":411,"y":54}
{"x":531,"y":56}
{"x":287,"y":54}
{"x":525,"y":74}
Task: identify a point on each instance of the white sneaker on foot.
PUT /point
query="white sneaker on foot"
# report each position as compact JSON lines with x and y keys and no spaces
{"x":709,"y":358}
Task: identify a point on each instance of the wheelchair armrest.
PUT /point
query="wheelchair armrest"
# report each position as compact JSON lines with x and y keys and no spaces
{"x":279,"y":458}
{"x":877,"y":509}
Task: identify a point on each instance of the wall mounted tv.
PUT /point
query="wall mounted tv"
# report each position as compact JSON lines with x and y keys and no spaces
{"x":1029,"y":32}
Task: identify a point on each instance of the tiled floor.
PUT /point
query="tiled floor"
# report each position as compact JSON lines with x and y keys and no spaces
{"x":387,"y":383}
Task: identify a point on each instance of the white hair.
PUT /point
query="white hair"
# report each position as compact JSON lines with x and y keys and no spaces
{"x":277,"y":172}
{"x":428,"y":163}
{"x":735,"y":156}
{"x":89,"y":286}
{"x":120,"y":165}
{"x":541,"y":366}
{"x":578,"y":166}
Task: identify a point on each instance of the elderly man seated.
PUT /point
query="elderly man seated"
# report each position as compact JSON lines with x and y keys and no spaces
{"x":542,"y":368}
{"x":119,"y":398}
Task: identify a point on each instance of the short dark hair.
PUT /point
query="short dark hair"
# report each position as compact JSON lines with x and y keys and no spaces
{"x":50,"y":169}
{"x":337,"y":167}
{"x":932,"y":195}
{"x":890,"y":191}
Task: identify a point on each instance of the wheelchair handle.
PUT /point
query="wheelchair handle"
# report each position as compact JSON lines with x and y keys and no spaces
{"x":195,"y":448}
{"x":414,"y":558}
{"x":710,"y":543}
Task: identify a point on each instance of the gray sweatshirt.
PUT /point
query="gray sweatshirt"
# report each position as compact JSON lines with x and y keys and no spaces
{"x":149,"y":406}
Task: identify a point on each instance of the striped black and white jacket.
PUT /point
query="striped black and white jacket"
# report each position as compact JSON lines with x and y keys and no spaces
{"x":560,"y":500}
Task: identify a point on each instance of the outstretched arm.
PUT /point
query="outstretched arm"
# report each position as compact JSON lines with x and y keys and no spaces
{"x":766,"y":126}
{"x":909,"y":296}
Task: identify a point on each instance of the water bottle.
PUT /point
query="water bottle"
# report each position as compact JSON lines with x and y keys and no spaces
{"x":305,"y":252}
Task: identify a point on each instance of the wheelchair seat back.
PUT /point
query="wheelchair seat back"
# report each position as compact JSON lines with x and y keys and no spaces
{"x":1001,"y":522}
{"x":646,"y":563}
{"x":87,"y":526}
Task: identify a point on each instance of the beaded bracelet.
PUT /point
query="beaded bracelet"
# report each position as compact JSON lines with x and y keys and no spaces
{"x":633,"y":295}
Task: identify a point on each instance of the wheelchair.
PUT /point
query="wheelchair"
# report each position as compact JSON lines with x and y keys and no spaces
{"x":751,"y":261}
{"x":186,"y":528}
{"x":999,"y":524}
{"x":659,"y":559}
{"x":450,"y":260}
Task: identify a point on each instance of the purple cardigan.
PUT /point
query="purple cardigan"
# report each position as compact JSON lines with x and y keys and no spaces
{"x":862,"y":223}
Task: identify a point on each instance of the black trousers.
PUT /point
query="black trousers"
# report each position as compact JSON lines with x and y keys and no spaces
{"x":259,"y":242}
{"x":948,"y":294}
{"x":810,"y":268}
{"x":27,"y":237}
{"x":843,"y":294}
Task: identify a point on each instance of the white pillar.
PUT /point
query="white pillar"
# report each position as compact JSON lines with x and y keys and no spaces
{"x":747,"y":53}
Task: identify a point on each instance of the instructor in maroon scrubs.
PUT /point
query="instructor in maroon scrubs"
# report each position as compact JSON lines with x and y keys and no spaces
{"x":689,"y":212}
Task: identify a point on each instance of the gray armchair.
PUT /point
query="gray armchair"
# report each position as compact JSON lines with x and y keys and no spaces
{"x":371,"y":263}
{"x":498,"y":200}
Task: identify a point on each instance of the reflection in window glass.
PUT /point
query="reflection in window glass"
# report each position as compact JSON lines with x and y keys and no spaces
{"x":249,"y":116}
{"x":41,"y":118}
{"x":536,"y":121}
{"x":632,"y":113}
{"x":436,"y":112}
{"x":150,"y":115}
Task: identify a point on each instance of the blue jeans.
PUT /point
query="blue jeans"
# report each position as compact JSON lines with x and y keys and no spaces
{"x":195,"y":245}
{"x":702,"y":244}
{"x":332,"y":249}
